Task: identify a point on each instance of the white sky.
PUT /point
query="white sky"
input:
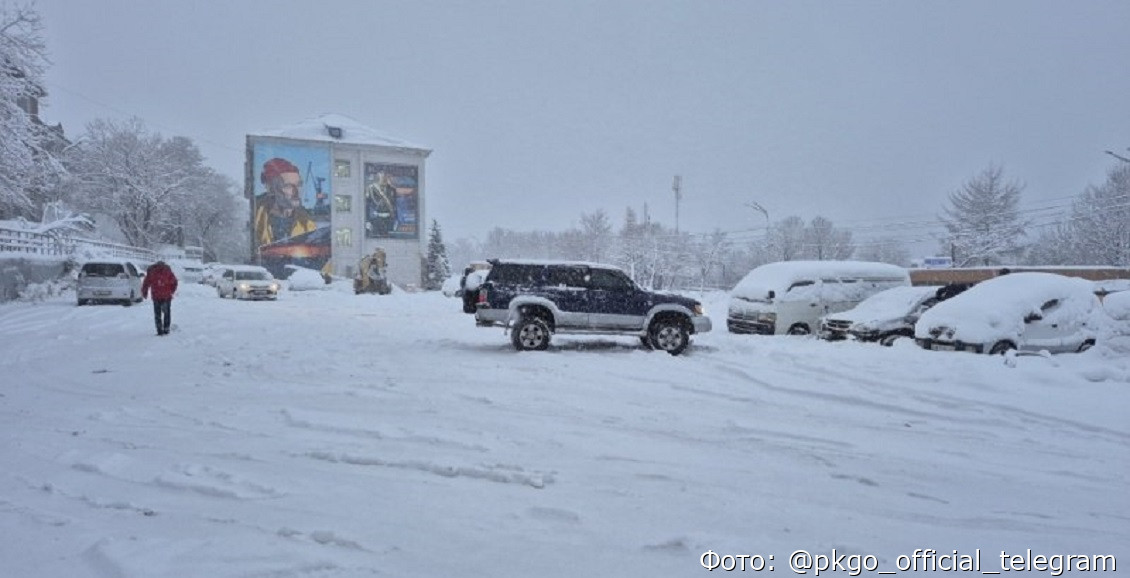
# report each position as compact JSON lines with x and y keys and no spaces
{"x":867,"y":113}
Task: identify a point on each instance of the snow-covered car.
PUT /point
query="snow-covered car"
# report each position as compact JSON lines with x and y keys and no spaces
{"x":1022,"y":311}
{"x":108,"y":280}
{"x":790,"y":297}
{"x":247,"y":282}
{"x":882,"y":317}
{"x":304,"y":279}
{"x":1117,"y":305}
{"x":211,"y":273}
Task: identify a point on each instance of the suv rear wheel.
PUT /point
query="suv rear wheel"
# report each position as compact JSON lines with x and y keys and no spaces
{"x":669,"y":334}
{"x":530,"y":334}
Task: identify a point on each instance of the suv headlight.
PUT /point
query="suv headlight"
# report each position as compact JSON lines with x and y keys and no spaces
{"x":244,"y":287}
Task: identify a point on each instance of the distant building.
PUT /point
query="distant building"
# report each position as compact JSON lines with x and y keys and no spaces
{"x":931,"y":263}
{"x":327,"y":191}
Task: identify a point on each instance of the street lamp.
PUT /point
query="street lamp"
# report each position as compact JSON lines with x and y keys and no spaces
{"x":757,"y":207}
{"x":1118,"y":156}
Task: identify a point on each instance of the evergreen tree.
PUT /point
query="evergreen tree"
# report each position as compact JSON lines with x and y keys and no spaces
{"x":983,"y":224}
{"x":436,"y":269}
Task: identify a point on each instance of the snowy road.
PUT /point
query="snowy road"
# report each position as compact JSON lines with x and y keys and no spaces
{"x":328,"y":434}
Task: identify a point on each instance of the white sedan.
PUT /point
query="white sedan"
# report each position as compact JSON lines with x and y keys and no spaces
{"x":247,"y":282}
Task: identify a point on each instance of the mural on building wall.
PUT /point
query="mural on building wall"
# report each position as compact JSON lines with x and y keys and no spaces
{"x":291,"y":207}
{"x":391,"y":200}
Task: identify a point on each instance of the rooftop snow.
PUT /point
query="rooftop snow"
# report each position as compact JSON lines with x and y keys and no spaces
{"x":353,"y":132}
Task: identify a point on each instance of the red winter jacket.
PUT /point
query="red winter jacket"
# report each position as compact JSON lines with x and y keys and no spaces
{"x":161,"y":280}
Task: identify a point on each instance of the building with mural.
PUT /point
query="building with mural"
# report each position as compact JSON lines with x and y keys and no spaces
{"x":328,"y":191}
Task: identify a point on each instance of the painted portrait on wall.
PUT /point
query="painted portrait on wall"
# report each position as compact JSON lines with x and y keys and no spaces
{"x":391,"y":201}
{"x":291,"y":206}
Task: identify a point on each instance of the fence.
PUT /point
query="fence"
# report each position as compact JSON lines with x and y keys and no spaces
{"x":23,"y":243}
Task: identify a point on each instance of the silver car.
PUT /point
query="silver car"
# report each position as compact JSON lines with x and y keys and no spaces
{"x":112,"y":281}
{"x":247,"y":282}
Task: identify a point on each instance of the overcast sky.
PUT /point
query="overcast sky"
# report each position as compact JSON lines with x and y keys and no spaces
{"x":868,"y":113}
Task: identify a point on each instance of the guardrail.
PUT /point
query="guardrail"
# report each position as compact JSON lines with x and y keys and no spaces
{"x":16,"y":242}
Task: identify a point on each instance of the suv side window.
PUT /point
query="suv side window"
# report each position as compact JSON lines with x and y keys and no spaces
{"x":515,"y":274}
{"x":566,"y":276}
{"x":609,"y":280}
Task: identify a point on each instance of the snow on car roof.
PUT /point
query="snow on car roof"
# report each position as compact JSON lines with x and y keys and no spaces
{"x":893,"y":302}
{"x":995,"y":309}
{"x":589,"y":264}
{"x":779,"y":276}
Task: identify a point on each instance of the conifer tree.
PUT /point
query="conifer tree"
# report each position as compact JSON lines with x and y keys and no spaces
{"x":436,"y":267}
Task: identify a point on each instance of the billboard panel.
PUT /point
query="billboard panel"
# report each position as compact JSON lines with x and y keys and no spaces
{"x":391,"y":201}
{"x":291,"y":205}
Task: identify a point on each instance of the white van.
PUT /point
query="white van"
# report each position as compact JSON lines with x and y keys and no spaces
{"x":790,"y":297}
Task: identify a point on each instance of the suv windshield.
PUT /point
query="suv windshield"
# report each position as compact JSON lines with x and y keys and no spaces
{"x":102,"y":269}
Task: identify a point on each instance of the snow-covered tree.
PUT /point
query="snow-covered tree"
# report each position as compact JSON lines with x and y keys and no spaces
{"x":145,"y":182}
{"x":709,"y":252}
{"x":884,"y":250}
{"x":983,"y":222}
{"x":596,"y":232}
{"x":27,"y":168}
{"x":436,"y":269}
{"x":1098,"y":230}
{"x":786,"y":240}
{"x":823,"y":241}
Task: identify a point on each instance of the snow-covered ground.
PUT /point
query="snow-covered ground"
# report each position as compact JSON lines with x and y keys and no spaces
{"x":334,"y":435}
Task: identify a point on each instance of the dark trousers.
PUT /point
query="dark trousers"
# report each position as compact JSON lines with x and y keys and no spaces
{"x":163,"y":314}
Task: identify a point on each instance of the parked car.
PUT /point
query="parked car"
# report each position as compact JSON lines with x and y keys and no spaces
{"x":535,"y":299}
{"x":108,"y":280}
{"x":1021,"y":311}
{"x":790,"y":297}
{"x":212,"y":273}
{"x":883,"y":317}
{"x":247,"y":282}
{"x":188,"y":271}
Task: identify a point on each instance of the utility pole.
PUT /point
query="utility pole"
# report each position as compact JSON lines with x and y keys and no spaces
{"x":678,"y":188}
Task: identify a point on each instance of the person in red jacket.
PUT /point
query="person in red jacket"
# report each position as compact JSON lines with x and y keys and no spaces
{"x":163,"y":283}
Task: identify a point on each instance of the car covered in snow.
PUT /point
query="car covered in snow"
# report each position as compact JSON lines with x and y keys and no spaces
{"x":1117,"y":305}
{"x":790,"y":297}
{"x":1020,"y":311}
{"x":108,"y":281}
{"x":883,"y":317}
{"x":247,"y":282}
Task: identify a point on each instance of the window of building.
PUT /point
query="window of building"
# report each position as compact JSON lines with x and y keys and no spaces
{"x":341,"y":168}
{"x":343,"y":237}
{"x":343,"y":203}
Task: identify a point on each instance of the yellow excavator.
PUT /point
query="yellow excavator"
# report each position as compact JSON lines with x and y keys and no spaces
{"x":371,"y":274}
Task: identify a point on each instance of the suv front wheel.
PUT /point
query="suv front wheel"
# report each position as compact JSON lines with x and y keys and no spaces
{"x":669,"y":334}
{"x":530,"y":334}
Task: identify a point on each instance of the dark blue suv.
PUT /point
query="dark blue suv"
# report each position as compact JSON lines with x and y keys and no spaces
{"x":535,"y":299}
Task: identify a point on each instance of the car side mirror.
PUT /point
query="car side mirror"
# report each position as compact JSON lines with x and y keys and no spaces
{"x":772,"y":294}
{"x":1032,"y":317}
